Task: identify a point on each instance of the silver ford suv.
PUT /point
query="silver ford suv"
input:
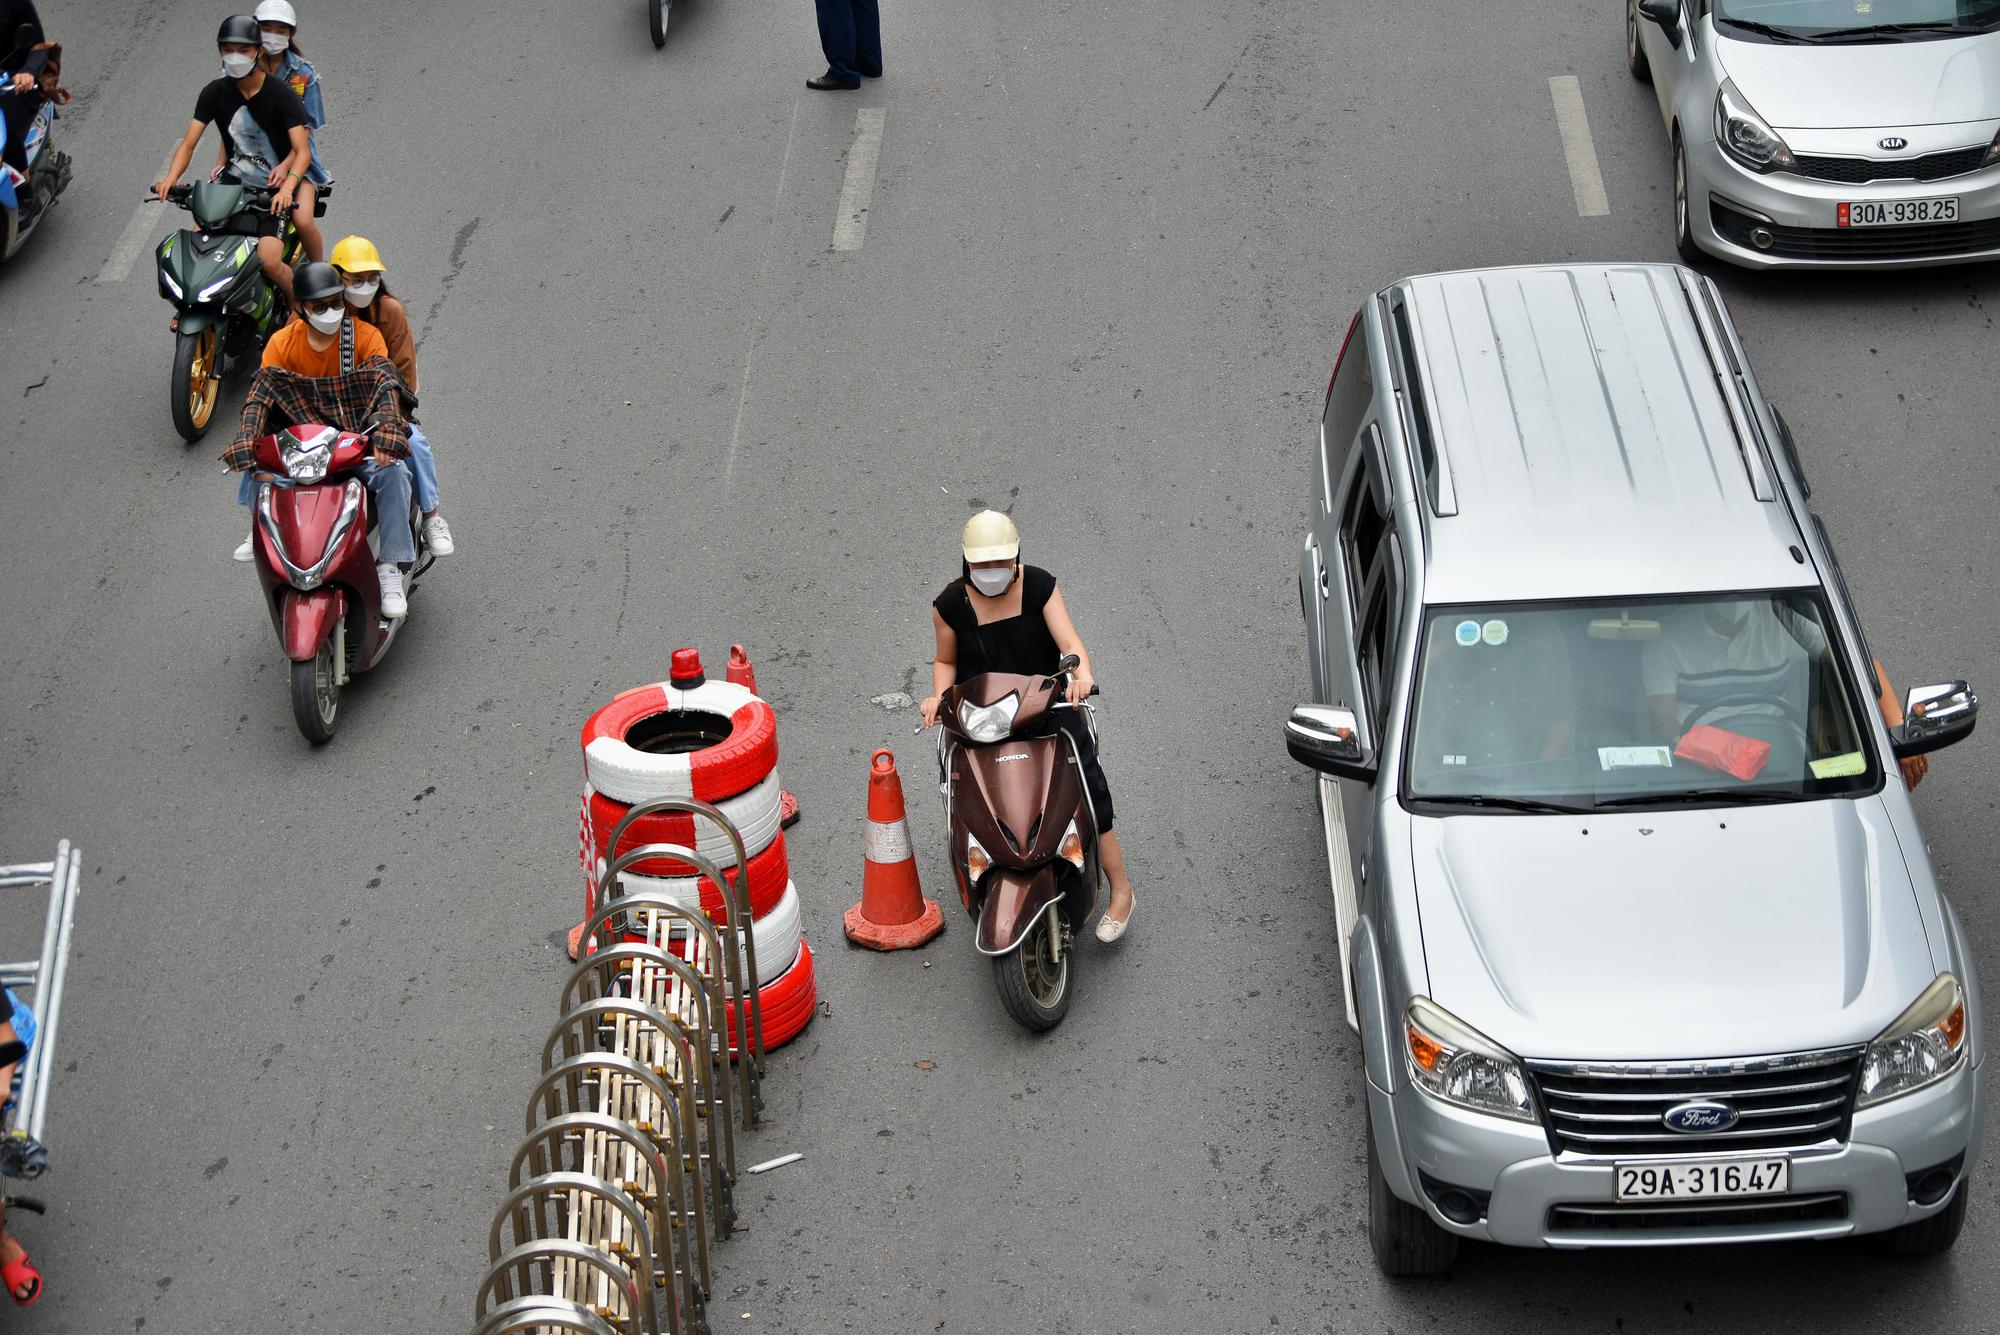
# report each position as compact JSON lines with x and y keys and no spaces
{"x":1639,"y":931}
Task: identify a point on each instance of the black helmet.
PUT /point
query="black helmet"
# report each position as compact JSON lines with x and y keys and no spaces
{"x":239,"y":30}
{"x":316,"y":282}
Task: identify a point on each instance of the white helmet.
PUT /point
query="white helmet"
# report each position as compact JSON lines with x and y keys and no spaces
{"x":990,"y":536}
{"x":277,"y":11}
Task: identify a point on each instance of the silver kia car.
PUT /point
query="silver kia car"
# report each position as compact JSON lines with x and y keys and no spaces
{"x":1638,"y":928}
{"x":1857,"y":133}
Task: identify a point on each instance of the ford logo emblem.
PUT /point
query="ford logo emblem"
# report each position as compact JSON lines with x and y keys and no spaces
{"x":1893,"y":143}
{"x":1696,"y":1118}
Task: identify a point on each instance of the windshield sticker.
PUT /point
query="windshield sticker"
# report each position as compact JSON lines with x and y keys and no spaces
{"x":1452,"y":760}
{"x":1468,"y":633}
{"x":1840,"y":767}
{"x":1634,"y":757}
{"x":1494,"y":632}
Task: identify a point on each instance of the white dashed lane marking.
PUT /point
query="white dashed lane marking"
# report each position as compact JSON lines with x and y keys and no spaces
{"x":136,"y":237}
{"x":1584,"y":177}
{"x":850,"y":224}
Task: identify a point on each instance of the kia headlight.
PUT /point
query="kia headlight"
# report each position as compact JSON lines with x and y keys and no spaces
{"x":1992,"y":152}
{"x":1925,"y":1044}
{"x":1746,"y":136}
{"x":988,"y":723}
{"x":1456,"y":1064}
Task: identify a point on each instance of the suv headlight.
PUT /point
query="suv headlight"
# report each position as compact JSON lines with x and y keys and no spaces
{"x":1746,"y":136}
{"x":1455,"y":1063}
{"x":1923,"y":1046}
{"x":990,"y":723}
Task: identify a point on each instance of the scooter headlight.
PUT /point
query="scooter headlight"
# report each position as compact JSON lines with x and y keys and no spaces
{"x":988,"y":723}
{"x":225,"y":281}
{"x":977,"y":860}
{"x":307,"y":460}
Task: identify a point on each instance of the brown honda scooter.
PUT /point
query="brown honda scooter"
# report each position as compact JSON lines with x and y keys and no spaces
{"x":1023,"y":832}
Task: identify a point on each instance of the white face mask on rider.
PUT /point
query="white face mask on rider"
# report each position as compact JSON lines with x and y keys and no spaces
{"x":276,"y":43}
{"x":326,"y":321}
{"x":992,"y":582}
{"x":360,"y":294}
{"x":236,"y":65}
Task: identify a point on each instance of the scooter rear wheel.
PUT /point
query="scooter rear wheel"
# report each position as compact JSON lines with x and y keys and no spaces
{"x":657,"y":10}
{"x":316,"y":695}
{"x":1034,"y":988}
{"x":196,"y":382}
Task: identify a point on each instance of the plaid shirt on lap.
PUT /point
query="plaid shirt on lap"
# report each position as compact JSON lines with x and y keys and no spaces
{"x":278,"y":399}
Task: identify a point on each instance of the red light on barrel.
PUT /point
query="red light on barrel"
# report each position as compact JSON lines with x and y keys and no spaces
{"x":686,"y":673}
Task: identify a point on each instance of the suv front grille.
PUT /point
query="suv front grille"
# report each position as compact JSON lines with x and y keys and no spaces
{"x":1854,"y":171}
{"x":1774,"y":1210}
{"x":1615,"y":1109}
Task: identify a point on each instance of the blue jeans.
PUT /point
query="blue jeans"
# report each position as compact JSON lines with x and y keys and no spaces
{"x":391,"y":487}
{"x":425,"y":469}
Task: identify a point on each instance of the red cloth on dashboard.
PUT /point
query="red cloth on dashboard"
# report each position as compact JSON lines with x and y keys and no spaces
{"x":1720,"y":749}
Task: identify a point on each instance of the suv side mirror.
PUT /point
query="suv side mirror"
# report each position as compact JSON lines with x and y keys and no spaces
{"x":1666,"y":13}
{"x":1934,"y":717}
{"x":1329,"y":740}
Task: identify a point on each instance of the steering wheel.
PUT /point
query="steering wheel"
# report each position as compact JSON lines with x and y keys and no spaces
{"x":1788,"y":725}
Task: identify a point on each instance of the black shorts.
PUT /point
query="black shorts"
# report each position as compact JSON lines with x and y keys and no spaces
{"x":1072,"y":722}
{"x":258,"y":221}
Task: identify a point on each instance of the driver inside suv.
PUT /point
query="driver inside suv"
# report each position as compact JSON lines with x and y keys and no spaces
{"x":1738,"y":664}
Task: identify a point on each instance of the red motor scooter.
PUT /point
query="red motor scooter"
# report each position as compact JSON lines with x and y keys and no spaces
{"x":315,"y":555}
{"x":1023,"y":832}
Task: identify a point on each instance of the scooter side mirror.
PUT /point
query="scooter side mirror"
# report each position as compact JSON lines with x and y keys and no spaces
{"x":1069,"y":663}
{"x":1328,"y":739}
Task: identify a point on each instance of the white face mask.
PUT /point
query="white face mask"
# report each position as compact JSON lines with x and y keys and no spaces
{"x":237,"y":65}
{"x":992,"y":583}
{"x":360,"y":294}
{"x":325,"y":321}
{"x":276,"y":43}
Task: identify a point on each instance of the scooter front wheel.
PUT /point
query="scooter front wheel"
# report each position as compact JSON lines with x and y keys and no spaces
{"x":1034,"y":978}
{"x":316,"y":695}
{"x":657,"y":11}
{"x":196,"y":382}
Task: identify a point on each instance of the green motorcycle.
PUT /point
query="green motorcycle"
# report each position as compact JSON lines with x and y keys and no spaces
{"x":225,"y":306}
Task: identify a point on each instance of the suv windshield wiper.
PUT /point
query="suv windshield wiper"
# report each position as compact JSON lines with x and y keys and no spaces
{"x":1893,"y":29}
{"x":1766,"y":30}
{"x":1505,"y":803}
{"x":1684,"y":797}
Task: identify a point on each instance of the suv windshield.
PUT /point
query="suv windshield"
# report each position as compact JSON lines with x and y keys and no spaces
{"x":1717,"y":698}
{"x":1857,"y":20}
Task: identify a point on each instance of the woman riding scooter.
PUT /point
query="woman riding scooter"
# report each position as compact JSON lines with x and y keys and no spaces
{"x":1003,"y":616}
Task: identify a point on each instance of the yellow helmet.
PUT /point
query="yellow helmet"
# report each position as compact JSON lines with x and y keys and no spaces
{"x":990,"y":536}
{"x":356,"y":254}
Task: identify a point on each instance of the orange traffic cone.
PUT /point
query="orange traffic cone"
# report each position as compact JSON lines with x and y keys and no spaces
{"x":893,"y":913}
{"x":741,"y":673}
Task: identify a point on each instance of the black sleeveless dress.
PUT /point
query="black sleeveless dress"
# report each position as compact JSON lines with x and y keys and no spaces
{"x":1022,"y":644}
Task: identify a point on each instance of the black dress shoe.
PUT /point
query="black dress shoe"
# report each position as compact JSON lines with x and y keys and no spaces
{"x":830,"y":82}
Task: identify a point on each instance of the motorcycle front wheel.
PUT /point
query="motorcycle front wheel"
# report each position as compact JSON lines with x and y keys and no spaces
{"x":1034,"y":985}
{"x":657,"y":11}
{"x":196,"y":381}
{"x":316,"y":695}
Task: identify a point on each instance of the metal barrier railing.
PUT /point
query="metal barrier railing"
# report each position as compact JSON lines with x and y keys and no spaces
{"x":627,"y":1174}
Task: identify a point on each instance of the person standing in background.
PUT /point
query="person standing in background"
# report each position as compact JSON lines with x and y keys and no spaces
{"x":850,"y":32}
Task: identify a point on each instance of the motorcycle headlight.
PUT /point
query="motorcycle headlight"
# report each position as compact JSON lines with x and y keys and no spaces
{"x":307,"y":460}
{"x":168,"y":280}
{"x":1924,"y":1045}
{"x":1455,"y":1063}
{"x":215,"y":287}
{"x":1746,"y":136}
{"x":988,"y":723}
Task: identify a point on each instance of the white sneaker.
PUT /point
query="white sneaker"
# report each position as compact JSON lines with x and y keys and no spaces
{"x":248,"y":550}
{"x":394,"y":605}
{"x":437,"y":536}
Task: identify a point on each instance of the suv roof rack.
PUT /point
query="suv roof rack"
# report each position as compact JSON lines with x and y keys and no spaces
{"x":1726,"y":361}
{"x":1407,"y":371}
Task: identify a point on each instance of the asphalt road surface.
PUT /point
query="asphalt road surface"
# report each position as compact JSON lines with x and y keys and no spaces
{"x":1107,"y":253}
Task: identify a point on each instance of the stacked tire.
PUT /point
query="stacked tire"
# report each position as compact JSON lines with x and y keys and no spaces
{"x":717,"y":742}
